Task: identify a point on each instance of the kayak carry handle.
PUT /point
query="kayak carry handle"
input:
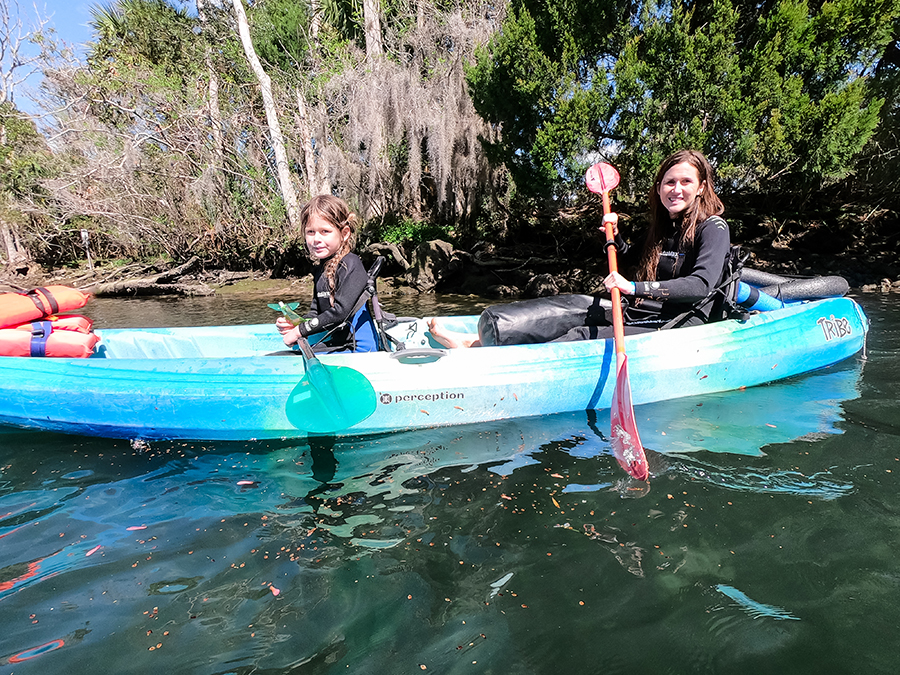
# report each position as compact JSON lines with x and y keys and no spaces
{"x":419,"y":355}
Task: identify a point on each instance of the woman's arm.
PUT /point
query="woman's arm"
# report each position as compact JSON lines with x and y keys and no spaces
{"x":712,"y":243}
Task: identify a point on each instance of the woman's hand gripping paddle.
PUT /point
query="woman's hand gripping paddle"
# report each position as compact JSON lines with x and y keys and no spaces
{"x":328,"y":398}
{"x":600,"y":179}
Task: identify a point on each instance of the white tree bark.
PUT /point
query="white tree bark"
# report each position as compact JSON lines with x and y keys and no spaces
{"x":316,"y":183}
{"x":371,"y":13}
{"x":16,"y":255}
{"x":215,"y":114}
{"x":265,"y":85}
{"x":16,"y":65}
{"x":315,"y":20}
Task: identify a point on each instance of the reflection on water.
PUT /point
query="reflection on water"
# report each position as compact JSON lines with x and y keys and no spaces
{"x":499,"y":548}
{"x":755,"y":609}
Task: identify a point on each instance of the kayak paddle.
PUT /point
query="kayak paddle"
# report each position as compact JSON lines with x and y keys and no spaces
{"x":328,"y":398}
{"x":600,"y":179}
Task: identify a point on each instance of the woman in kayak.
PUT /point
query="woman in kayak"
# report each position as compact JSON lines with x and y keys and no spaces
{"x":683,"y":257}
{"x":339,"y":279}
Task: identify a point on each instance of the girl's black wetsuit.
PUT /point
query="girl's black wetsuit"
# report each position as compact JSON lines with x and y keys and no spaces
{"x":324,"y":315}
{"x":685,"y":275}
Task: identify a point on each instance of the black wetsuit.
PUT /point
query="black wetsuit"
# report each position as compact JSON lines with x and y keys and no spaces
{"x":685,"y":275}
{"x":324,"y":315}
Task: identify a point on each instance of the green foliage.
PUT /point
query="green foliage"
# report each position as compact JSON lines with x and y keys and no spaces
{"x":138,"y":32}
{"x":24,"y":157}
{"x":346,"y":17}
{"x":543,"y":77}
{"x":147,"y":57}
{"x":781,"y":94}
{"x":408,"y":231}
{"x":279,"y":30}
{"x":778,"y":94}
{"x":677,"y":87}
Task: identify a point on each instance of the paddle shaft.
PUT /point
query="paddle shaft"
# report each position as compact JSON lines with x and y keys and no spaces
{"x":320,"y":378}
{"x":618,"y":323}
{"x":306,"y":350}
{"x":626,"y":442}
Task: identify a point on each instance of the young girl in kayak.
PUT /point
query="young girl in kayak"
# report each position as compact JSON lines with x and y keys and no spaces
{"x":339,"y":279}
{"x":683,"y":258}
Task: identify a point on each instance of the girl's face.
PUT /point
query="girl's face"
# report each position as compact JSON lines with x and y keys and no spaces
{"x":679,"y":188}
{"x":323,"y":239}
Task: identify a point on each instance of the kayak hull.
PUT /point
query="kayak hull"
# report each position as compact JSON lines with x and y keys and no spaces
{"x":233,"y":383}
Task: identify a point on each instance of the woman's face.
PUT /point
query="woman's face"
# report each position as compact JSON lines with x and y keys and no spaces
{"x":679,"y":188}
{"x":322,"y":238}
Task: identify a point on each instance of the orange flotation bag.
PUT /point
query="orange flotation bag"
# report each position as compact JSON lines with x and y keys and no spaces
{"x":64,"y":336}
{"x":17,"y":308}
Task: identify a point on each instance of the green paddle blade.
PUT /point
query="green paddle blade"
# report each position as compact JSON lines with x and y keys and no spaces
{"x":329,"y":398}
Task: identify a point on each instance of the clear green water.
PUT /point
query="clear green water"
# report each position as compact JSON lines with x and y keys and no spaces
{"x":765,"y":542}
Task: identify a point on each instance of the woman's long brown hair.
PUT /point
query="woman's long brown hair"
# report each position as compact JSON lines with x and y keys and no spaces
{"x":335,"y":211}
{"x":706,"y":204}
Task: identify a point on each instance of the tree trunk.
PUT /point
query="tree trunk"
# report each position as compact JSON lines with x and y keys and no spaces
{"x":17,"y":257}
{"x":374,"y":45}
{"x":215,"y":120}
{"x":315,"y":183}
{"x":315,"y":20}
{"x":170,"y":282}
{"x":265,"y":85}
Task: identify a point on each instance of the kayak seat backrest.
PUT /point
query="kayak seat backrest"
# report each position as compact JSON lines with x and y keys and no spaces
{"x":392,"y":333}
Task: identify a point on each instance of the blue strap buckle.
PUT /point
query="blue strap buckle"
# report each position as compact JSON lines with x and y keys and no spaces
{"x":40,"y":332}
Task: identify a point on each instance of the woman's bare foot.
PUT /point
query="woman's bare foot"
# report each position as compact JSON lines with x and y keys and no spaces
{"x":451,"y":339}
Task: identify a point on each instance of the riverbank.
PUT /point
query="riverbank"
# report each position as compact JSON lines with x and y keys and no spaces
{"x":869,"y":264}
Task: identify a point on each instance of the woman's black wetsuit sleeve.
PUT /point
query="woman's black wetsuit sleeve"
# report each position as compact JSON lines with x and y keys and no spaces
{"x":712,"y":243}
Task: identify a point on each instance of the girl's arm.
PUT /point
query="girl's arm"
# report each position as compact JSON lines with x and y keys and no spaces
{"x":350,"y":282}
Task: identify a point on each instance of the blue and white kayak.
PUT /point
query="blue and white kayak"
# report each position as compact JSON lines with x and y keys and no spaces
{"x":224,"y":383}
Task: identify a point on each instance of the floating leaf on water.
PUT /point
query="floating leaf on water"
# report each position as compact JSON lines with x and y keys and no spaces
{"x":173,"y":586}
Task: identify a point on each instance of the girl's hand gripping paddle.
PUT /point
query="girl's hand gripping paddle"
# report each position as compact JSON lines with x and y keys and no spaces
{"x":600,"y":179}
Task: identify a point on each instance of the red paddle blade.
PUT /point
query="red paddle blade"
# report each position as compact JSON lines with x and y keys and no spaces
{"x":601,"y":177}
{"x":625,"y":439}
